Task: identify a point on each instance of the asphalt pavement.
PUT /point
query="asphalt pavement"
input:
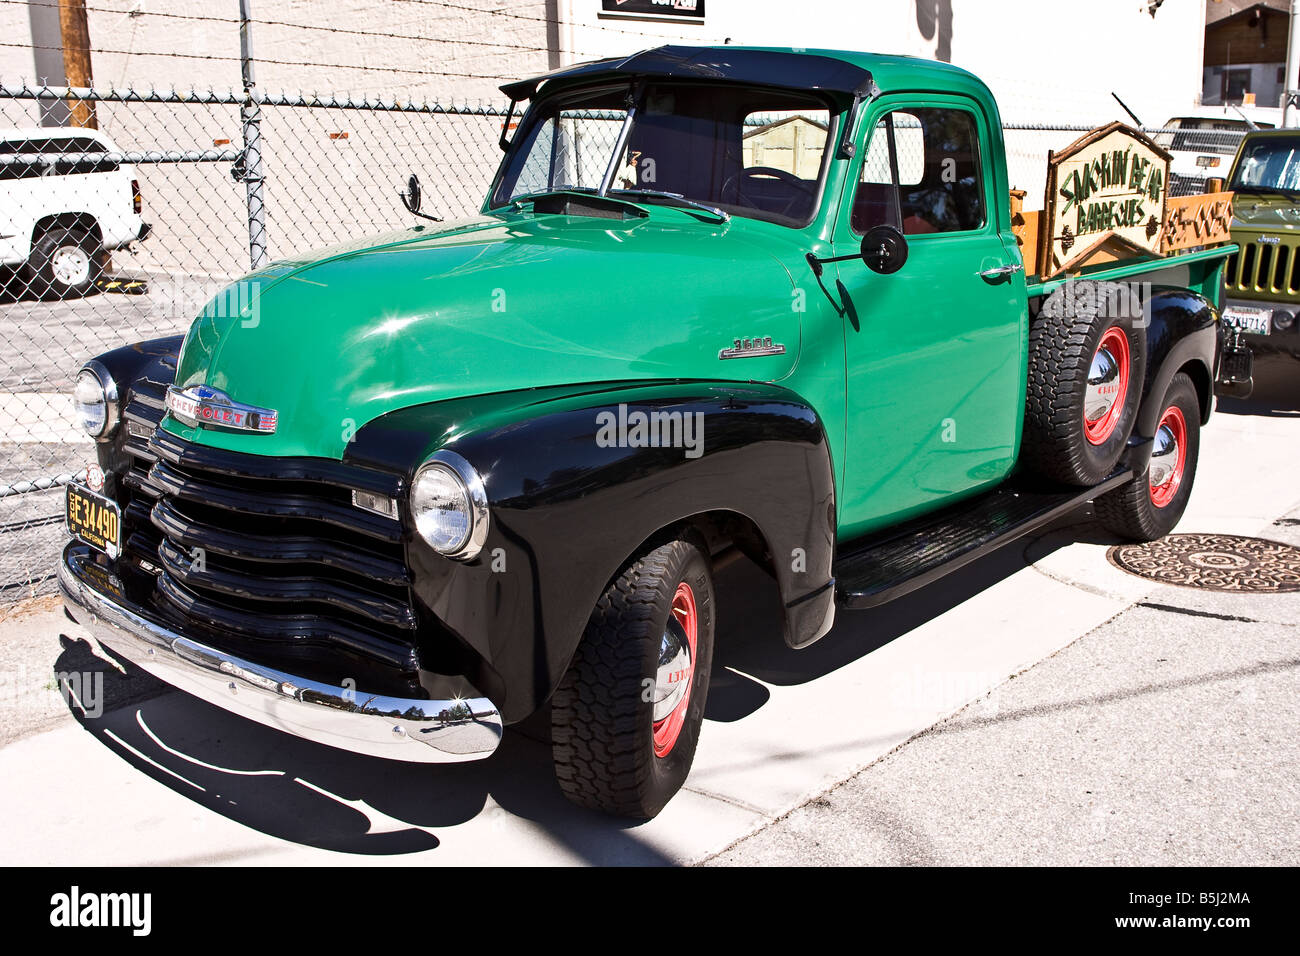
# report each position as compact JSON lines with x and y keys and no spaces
{"x":1170,"y":735}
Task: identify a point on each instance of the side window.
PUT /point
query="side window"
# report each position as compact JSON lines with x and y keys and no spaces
{"x":79,"y":156}
{"x":16,"y":168}
{"x":60,"y":156}
{"x":922,"y":173}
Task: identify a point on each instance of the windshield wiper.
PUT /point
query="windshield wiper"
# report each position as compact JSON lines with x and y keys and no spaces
{"x":674,"y":199}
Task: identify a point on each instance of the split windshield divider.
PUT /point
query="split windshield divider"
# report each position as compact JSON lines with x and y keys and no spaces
{"x":633,"y":100}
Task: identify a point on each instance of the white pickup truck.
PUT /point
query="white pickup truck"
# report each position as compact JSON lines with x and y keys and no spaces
{"x":65,"y":199}
{"x":1201,"y":145}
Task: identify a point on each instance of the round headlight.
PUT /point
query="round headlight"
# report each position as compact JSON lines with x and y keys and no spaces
{"x":449,"y":506}
{"x":94,"y":398}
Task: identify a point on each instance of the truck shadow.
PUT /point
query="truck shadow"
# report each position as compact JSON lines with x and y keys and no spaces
{"x":320,"y":797}
{"x":1282,"y":406}
{"x":750,"y":647}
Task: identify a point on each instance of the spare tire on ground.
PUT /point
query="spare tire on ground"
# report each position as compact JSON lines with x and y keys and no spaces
{"x":1087,"y":359}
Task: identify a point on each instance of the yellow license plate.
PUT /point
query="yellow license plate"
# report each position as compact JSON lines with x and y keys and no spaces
{"x":95,"y":520}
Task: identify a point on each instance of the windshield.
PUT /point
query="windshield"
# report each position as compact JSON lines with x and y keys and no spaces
{"x":1268,"y":164}
{"x":748,"y":152}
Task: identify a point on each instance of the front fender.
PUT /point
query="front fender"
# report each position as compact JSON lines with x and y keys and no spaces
{"x":572,"y":499}
{"x":141,"y":371}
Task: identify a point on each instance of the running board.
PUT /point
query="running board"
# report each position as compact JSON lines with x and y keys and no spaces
{"x":881,"y":568}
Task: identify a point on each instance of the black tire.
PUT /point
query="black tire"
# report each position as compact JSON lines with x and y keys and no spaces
{"x":1059,"y":442}
{"x":49,"y":277}
{"x":1139,"y":512}
{"x":604,"y":742}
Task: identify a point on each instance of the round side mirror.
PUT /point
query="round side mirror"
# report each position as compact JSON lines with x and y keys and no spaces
{"x":884,"y":249}
{"x":411,"y":198}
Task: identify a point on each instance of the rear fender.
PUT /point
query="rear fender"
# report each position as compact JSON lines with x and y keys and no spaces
{"x":1182,"y":332}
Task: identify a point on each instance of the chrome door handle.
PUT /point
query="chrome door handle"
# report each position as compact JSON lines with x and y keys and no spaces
{"x":1002,"y":272}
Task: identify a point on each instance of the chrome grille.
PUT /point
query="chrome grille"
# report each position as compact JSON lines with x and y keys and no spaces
{"x":268,"y":548}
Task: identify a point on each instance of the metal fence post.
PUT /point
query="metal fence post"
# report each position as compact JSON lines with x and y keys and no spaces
{"x":251,"y":167}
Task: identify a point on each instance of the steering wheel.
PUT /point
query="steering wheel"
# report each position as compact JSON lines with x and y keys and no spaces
{"x":770,"y":172}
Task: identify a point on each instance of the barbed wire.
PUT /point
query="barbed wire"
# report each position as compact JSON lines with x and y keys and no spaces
{"x":378,"y":34}
{"x":554,"y":21}
{"x":269,"y":60}
{"x":550,"y":21}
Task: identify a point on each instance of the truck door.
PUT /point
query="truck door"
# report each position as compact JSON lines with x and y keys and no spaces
{"x":935,"y":353}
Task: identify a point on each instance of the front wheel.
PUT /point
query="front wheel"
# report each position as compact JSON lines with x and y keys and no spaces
{"x":1150,"y":505}
{"x":627,"y":715}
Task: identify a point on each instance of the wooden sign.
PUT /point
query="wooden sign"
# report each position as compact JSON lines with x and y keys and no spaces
{"x":1106,"y":197}
{"x":1197,"y":221}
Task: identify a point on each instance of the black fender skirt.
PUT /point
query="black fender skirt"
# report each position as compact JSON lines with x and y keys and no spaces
{"x":577,"y":485}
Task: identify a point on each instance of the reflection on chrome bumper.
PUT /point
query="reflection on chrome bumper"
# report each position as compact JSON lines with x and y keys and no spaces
{"x":421,"y":731}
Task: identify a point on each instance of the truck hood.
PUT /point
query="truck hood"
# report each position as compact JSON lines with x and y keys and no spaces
{"x":492,"y":304}
{"x":1254,"y":211}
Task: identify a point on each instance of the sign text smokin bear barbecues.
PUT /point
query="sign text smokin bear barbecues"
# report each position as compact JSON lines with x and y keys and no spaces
{"x":1109,"y":186}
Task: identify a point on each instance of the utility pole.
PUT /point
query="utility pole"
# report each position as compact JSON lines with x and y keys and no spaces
{"x":74,"y":36}
{"x":250,"y":165}
{"x":1289,"y":91}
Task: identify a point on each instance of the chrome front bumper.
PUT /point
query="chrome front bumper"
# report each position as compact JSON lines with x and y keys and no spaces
{"x":419,"y":731}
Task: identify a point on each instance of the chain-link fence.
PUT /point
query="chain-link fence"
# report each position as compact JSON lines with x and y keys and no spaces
{"x":79,"y":279}
{"x":121,"y":233}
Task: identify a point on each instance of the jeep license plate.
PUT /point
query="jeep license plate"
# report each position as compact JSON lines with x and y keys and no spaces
{"x":94,"y":519}
{"x":1253,"y":321}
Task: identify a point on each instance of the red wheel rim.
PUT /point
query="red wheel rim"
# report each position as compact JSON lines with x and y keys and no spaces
{"x":667,"y":730}
{"x":1176,"y":425}
{"x":1115,"y":345}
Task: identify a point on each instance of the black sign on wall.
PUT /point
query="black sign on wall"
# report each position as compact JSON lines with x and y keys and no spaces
{"x":670,"y":9}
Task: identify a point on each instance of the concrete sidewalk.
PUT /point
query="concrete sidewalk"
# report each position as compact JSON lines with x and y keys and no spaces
{"x":1168,"y":736}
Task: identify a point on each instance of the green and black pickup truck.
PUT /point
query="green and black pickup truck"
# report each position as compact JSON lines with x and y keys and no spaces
{"x":398,"y":495}
{"x":1262,"y":281}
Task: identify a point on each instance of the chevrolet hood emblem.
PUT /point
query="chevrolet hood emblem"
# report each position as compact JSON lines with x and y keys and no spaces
{"x":208,"y":407}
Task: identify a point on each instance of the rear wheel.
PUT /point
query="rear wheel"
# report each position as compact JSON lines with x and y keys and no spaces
{"x":1087,"y":356}
{"x":65,"y":263}
{"x":1150,"y":506}
{"x":626,"y":718}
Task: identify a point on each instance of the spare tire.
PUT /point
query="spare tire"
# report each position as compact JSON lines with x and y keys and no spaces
{"x":1087,"y":359}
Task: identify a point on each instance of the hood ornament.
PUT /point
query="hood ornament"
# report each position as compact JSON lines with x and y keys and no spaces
{"x":208,"y":407}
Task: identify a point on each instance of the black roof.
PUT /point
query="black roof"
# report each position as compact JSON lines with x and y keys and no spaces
{"x":805,"y":71}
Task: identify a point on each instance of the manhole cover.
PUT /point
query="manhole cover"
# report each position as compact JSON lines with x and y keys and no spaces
{"x":1213,"y":562}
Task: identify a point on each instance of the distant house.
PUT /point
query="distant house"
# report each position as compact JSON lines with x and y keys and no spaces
{"x":1245,"y":51}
